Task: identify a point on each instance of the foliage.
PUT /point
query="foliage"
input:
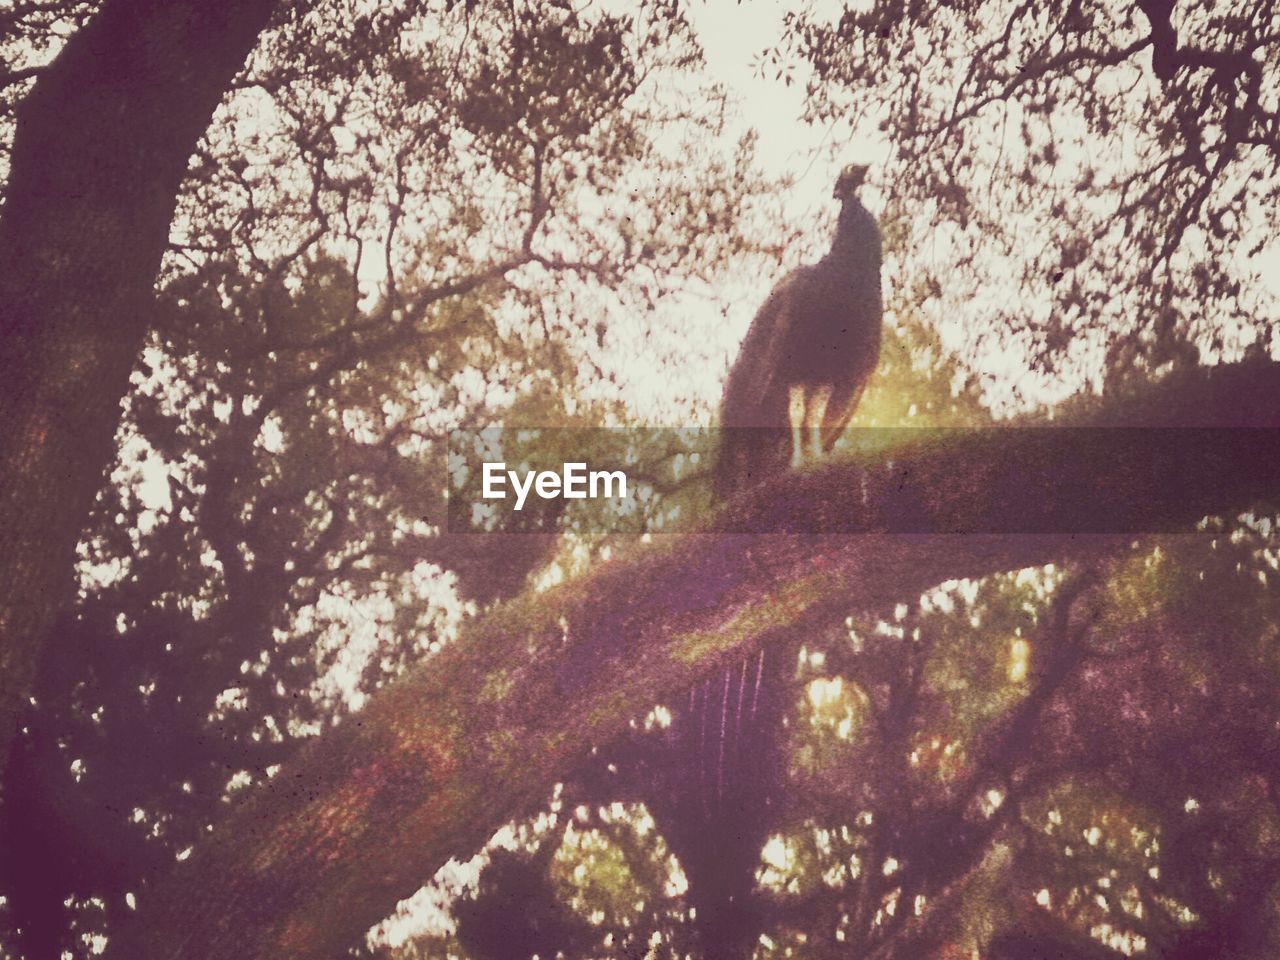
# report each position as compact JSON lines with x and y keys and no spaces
{"x":409,"y":222}
{"x":415,"y":217}
{"x":1113,"y":164}
{"x":1038,"y":758}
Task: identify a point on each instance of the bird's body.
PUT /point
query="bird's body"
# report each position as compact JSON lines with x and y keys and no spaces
{"x":807,"y":355}
{"x":798,"y":377}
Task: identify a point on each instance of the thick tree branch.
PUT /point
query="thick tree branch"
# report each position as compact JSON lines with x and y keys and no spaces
{"x":475,"y":736}
{"x":101,"y":147}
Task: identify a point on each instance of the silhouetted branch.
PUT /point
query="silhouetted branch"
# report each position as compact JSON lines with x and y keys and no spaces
{"x":473,"y":737}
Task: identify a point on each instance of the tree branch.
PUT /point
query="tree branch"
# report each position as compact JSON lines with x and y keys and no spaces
{"x":101,"y":146}
{"x":474,"y":737}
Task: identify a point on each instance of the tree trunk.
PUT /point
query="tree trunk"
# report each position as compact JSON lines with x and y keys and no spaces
{"x":100,"y":150}
{"x":437,"y":762}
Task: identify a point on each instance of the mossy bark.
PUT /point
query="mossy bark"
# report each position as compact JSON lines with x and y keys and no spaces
{"x":475,"y":736}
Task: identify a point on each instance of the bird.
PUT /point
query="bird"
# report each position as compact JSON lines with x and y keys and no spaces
{"x":797,"y":380}
{"x":807,"y":355}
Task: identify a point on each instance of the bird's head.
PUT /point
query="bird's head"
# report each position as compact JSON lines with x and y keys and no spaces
{"x":850,"y":179}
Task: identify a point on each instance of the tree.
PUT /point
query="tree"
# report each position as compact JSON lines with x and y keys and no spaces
{"x":427,"y":216}
{"x":438,"y":761}
{"x":506,"y":134}
{"x":345,"y":139}
{"x":1134,"y":142}
{"x":101,"y":146}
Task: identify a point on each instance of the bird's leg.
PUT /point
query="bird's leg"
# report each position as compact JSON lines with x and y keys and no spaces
{"x":796,"y":417}
{"x":833,"y":434}
{"x":814,"y":415}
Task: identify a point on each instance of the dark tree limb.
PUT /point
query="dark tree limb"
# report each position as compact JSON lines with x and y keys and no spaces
{"x":437,"y":762}
{"x":101,"y":147}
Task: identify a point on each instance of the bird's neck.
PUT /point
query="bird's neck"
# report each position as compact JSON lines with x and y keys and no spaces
{"x":857,"y":235}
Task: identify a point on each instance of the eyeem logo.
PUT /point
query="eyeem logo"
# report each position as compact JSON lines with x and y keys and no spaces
{"x":573,"y":482}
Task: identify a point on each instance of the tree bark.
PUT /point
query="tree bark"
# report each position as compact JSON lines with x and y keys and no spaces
{"x":475,"y":736}
{"x":100,"y":150}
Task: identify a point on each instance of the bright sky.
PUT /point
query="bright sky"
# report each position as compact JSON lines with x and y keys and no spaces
{"x":692,"y":331}
{"x":732,"y":39}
